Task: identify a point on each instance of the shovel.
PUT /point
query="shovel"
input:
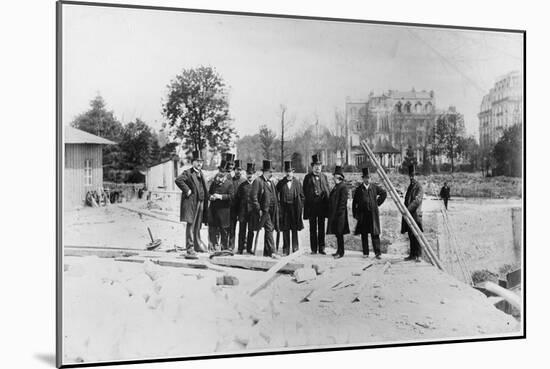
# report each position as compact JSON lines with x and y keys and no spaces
{"x":154,"y":243}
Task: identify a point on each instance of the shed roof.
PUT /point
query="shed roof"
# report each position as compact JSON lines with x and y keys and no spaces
{"x":77,"y":136}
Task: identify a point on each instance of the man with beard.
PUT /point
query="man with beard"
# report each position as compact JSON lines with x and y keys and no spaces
{"x":366,"y":200}
{"x":291,"y":198}
{"x":221,"y":195}
{"x":264,"y":204}
{"x":243,"y":210}
{"x":337,"y":223}
{"x":413,"y":202}
{"x":194,"y":202}
{"x":316,"y":191}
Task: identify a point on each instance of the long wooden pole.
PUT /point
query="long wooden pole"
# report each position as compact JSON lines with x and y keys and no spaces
{"x":403,"y":209}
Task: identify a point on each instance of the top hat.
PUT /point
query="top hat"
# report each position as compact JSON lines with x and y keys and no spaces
{"x":412,"y":170}
{"x":229,"y":157}
{"x":315,"y":160}
{"x":223,"y":165}
{"x":238,"y":164}
{"x":365,"y":171}
{"x":250,"y":168}
{"x":196,"y":155}
{"x":338,"y":171}
{"x":266,"y":165}
{"x":288,"y":166}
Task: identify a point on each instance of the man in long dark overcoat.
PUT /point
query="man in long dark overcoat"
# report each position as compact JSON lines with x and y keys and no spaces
{"x":243,"y":209}
{"x":316,"y":191}
{"x":194,"y":202}
{"x":221,"y":196}
{"x":366,"y":200}
{"x":237,"y":179}
{"x":265,"y":208}
{"x":413,"y":202}
{"x":445,"y":194}
{"x":291,"y":198}
{"x":337,"y":223}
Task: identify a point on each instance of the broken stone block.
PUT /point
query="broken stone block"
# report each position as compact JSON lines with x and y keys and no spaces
{"x":227,"y":280}
{"x":304,"y":274}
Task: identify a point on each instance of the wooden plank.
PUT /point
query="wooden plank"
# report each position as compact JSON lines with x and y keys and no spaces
{"x":254,"y":263}
{"x":508,"y":295}
{"x":272,"y":273}
{"x":149,"y":214}
{"x":102,"y":253}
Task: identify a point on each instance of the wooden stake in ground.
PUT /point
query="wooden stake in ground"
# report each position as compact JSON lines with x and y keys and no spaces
{"x":272,"y":273}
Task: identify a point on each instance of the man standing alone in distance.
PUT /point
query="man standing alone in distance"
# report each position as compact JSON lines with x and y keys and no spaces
{"x":366,"y":200}
{"x":194,"y":202}
{"x":445,"y":194}
{"x":316,"y":191}
{"x":413,"y":202}
{"x":338,"y":212}
{"x":291,"y":198}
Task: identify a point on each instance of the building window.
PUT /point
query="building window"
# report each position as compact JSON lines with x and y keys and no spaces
{"x":88,"y":172}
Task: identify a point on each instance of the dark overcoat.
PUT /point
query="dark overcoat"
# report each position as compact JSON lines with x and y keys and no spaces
{"x":234,"y":205}
{"x":242,"y":201}
{"x":338,"y":210}
{"x":219,"y":211}
{"x":186,"y":181}
{"x":315,"y":204}
{"x":413,"y":202}
{"x":262,"y":194}
{"x":365,"y":208}
{"x":445,"y":192}
{"x":290,"y":215}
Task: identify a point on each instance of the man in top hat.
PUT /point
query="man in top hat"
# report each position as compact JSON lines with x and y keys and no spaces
{"x":413,"y":202}
{"x":221,"y":195}
{"x":243,"y":210}
{"x":194,"y":202}
{"x":316,"y":192}
{"x":445,"y":194}
{"x":337,"y":223}
{"x":291,"y":199}
{"x":366,"y":200}
{"x":264,"y":204}
{"x":237,"y":180}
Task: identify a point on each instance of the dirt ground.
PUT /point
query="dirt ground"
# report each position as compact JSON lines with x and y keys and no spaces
{"x":121,"y":311}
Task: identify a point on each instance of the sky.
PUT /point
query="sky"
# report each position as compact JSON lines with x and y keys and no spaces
{"x":129,"y":56}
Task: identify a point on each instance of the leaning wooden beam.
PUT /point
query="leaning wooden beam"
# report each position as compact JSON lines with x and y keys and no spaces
{"x":149,"y":214}
{"x":254,"y":263}
{"x":404,"y":211}
{"x":508,"y":295}
{"x":272,"y":273}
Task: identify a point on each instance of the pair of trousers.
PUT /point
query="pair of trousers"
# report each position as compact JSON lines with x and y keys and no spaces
{"x":232,"y":232}
{"x":445,"y":201}
{"x":269,"y":243}
{"x":218,"y":236}
{"x":415,"y":249}
{"x":192,"y":230}
{"x":375,"y":238}
{"x":286,"y":241}
{"x":339,"y":244}
{"x":317,"y":233}
{"x":246,"y":236}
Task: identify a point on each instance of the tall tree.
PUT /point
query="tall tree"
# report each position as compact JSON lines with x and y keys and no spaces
{"x":449,"y":128}
{"x":508,"y":152}
{"x":197,"y":110}
{"x":137,"y":144}
{"x":249,"y":148}
{"x":101,"y":122}
{"x":267,"y":138}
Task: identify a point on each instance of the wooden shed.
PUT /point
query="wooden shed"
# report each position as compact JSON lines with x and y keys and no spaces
{"x":83,"y":165}
{"x":162,"y":176}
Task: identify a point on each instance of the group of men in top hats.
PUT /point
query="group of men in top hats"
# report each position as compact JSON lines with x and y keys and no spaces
{"x":260,"y":203}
